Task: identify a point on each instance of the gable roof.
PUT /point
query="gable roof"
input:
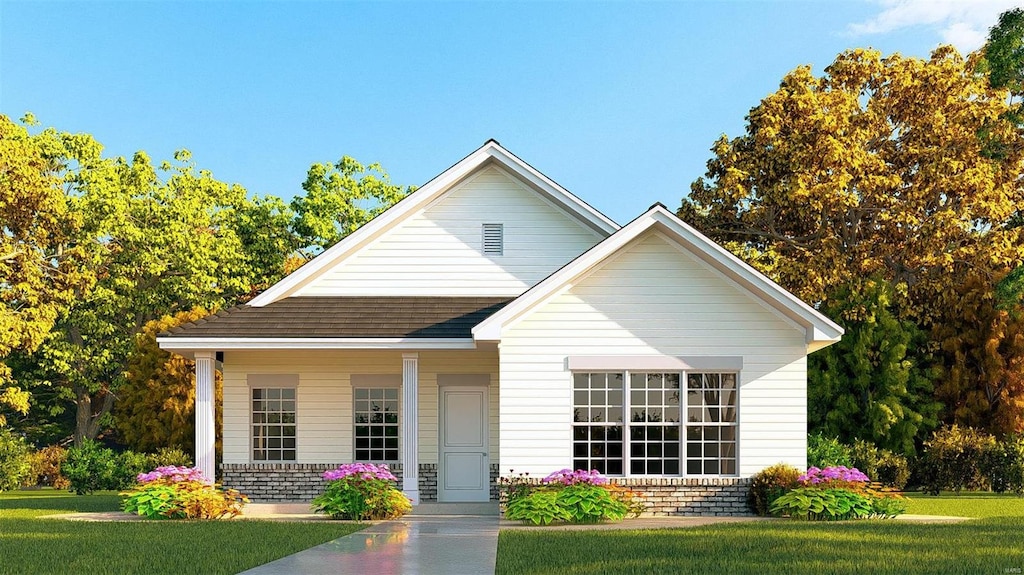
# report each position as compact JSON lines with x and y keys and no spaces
{"x":490,"y":153}
{"x":333,"y":321}
{"x":821,"y":331}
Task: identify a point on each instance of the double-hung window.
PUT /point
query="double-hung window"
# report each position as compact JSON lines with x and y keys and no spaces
{"x":645,"y":423}
{"x":376,"y":423}
{"x":273,"y":423}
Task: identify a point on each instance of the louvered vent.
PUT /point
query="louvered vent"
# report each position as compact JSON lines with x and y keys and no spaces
{"x":494,"y":239}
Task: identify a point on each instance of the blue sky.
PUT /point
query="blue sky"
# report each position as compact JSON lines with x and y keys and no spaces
{"x":618,"y":102}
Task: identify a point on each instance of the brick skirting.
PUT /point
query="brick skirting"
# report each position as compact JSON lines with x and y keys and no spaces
{"x":301,"y":482}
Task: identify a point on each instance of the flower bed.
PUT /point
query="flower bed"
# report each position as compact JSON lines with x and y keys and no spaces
{"x":361,"y":491}
{"x":574,"y":496}
{"x":172,"y":492}
{"x":837,"y":493}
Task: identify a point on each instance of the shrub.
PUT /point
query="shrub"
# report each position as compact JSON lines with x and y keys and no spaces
{"x":578,"y":496}
{"x":169,"y":456}
{"x":827,"y":451}
{"x":888,"y":468}
{"x":831,"y":504}
{"x":768,"y":484}
{"x":361,"y":491}
{"x":45,"y":468}
{"x":14,"y":460}
{"x":1004,"y":465}
{"x":954,"y":459}
{"x":540,"y":507}
{"x":181,"y":493}
{"x":90,"y":467}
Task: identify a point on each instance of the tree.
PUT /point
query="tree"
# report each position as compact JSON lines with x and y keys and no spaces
{"x":876,"y":168}
{"x":339,"y":199}
{"x":874,"y":384}
{"x":158,"y":245}
{"x":40,"y":275}
{"x":156,"y":405}
{"x":1004,"y":58}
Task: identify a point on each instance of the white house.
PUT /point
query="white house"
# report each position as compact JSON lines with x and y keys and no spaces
{"x":492,"y":323}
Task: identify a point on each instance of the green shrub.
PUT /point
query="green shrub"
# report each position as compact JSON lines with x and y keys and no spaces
{"x":540,"y":507}
{"x":827,"y":452}
{"x":823,"y":504}
{"x":128,"y":466}
{"x":168,"y":456}
{"x":768,"y":484}
{"x":888,"y":507}
{"x":881,"y":465}
{"x":1004,"y":465}
{"x":14,"y":460}
{"x":955,"y":459}
{"x":45,"y":468}
{"x":91,"y":467}
{"x":587,"y":503}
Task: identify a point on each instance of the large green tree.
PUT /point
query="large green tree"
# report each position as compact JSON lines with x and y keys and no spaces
{"x":338,"y":199}
{"x":875,"y":384}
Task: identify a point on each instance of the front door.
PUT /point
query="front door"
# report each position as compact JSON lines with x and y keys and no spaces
{"x":463,"y":471}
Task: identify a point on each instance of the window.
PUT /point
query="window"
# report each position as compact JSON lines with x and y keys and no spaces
{"x":493,"y":239}
{"x":711,"y":424}
{"x":273,"y":424}
{"x":659,"y":441}
{"x":597,"y":422}
{"x":376,"y":423}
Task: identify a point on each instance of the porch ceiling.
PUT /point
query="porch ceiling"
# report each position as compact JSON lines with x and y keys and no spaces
{"x":347,"y":317}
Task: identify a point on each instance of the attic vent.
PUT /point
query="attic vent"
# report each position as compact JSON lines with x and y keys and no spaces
{"x":494,"y":239}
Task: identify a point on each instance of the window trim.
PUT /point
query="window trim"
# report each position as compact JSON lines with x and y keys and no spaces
{"x":271,"y":381}
{"x":683,"y":407}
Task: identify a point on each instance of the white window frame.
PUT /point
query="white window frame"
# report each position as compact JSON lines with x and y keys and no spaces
{"x":388,"y":381}
{"x":272,"y":381}
{"x":683,"y":411}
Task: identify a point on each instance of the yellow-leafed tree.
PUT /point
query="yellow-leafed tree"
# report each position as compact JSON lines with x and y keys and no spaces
{"x":156,"y":405}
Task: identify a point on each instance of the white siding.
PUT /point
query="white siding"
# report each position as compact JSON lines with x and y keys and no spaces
{"x":438,"y":251}
{"x":651,"y":299}
{"x":324,"y":398}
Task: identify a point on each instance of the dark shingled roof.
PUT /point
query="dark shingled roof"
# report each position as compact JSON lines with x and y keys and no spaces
{"x":306,"y":317}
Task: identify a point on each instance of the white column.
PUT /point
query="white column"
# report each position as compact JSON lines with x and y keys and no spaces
{"x":410,"y":427}
{"x":205,"y":428}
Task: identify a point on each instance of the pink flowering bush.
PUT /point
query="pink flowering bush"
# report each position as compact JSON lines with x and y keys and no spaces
{"x":836,"y":476}
{"x":837,"y":493}
{"x":575,"y":496}
{"x":361,"y":491}
{"x":172,"y":492}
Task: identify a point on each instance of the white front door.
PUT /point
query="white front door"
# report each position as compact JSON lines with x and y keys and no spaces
{"x":463,"y":471}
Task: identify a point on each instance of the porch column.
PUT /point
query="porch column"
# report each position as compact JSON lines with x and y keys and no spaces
{"x":205,"y":429}
{"x":410,"y":427}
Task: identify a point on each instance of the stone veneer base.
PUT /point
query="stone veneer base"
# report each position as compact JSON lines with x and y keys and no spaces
{"x":669,"y":496}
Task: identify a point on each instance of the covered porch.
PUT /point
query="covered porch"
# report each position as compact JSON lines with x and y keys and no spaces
{"x":289,"y":415}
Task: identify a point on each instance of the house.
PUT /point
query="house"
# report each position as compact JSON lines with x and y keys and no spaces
{"x":492,"y":323}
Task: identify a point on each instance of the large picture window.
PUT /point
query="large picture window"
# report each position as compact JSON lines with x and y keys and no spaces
{"x":273,"y":424}
{"x":376,"y":423}
{"x":632,"y":423}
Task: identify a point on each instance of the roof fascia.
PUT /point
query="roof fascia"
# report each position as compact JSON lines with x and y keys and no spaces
{"x":198,"y":343}
{"x":489,"y":152}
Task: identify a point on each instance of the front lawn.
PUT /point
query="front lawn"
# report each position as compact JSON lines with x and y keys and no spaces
{"x":994,"y":544}
{"x":32,"y":543}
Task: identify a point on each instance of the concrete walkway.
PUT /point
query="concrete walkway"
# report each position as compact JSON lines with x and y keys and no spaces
{"x":413,"y":545}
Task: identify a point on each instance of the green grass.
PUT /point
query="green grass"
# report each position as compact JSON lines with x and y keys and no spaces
{"x":992,"y":544}
{"x":32,"y":543}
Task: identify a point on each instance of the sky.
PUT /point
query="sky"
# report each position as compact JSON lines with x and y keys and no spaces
{"x":618,"y":102}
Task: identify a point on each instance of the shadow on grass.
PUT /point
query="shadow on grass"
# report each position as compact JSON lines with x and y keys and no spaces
{"x":60,"y":501}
